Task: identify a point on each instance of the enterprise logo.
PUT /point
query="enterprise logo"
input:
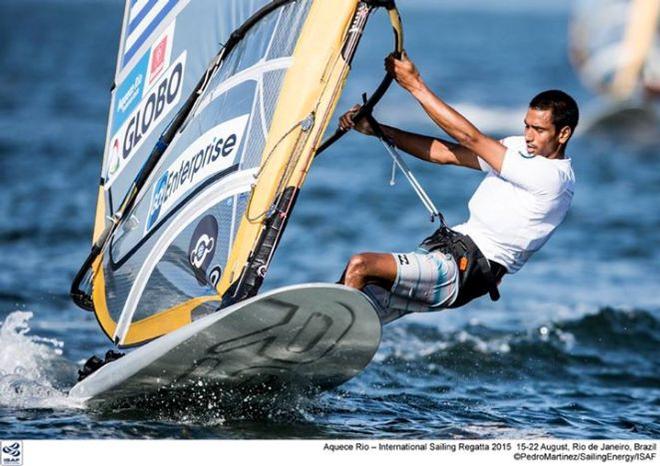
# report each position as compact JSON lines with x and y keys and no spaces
{"x":211,"y":153}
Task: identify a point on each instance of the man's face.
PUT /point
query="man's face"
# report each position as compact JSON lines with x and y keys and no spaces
{"x":541,"y":136}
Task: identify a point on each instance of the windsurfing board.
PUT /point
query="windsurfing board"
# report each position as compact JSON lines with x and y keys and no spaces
{"x":313,"y":336}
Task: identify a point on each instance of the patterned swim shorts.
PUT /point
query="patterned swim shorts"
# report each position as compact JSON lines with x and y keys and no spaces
{"x":425,"y":282}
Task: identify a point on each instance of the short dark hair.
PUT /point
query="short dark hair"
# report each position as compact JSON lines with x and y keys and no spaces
{"x":564,"y":108}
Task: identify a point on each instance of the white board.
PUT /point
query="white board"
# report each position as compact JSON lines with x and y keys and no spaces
{"x":303,"y":336}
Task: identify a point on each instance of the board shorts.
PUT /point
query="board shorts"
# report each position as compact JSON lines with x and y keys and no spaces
{"x":425,"y":282}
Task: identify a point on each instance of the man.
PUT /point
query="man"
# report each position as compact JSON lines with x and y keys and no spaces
{"x":525,"y":195}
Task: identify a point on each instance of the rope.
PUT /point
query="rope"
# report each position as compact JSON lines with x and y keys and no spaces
{"x":304,"y":125}
{"x":427,"y":202}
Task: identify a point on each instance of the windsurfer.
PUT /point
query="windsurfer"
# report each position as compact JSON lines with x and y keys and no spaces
{"x":524,"y":197}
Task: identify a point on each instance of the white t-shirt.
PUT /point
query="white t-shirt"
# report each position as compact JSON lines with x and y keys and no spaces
{"x":512,"y":214}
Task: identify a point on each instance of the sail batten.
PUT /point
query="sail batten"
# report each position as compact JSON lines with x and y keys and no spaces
{"x":252,"y":73}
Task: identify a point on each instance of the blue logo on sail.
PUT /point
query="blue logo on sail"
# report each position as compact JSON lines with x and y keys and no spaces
{"x":157,"y":200}
{"x":129,"y":93}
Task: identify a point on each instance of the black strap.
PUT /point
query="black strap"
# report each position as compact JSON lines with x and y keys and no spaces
{"x":488,"y":273}
{"x":498,"y":270}
{"x":485,"y":267}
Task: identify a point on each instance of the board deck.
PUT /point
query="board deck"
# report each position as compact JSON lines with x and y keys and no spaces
{"x":316,"y":336}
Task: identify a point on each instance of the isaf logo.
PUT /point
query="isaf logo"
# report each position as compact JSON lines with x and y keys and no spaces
{"x":12,"y":454}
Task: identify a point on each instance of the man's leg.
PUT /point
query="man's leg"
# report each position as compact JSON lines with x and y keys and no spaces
{"x":370,"y":268}
{"x":402,"y":283}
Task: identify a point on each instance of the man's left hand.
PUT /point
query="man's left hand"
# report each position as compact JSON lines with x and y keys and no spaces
{"x":404,"y":72}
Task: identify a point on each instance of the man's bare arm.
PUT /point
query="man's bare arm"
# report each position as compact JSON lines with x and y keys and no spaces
{"x":426,"y":148}
{"x":452,"y":122}
{"x":432,"y":149}
{"x":459,"y":128}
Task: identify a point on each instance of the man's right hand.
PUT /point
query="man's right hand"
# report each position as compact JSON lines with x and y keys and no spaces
{"x":346,"y":122}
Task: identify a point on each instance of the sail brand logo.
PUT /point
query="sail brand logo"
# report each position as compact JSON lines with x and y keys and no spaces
{"x":158,"y":102}
{"x":201,"y":250}
{"x":202,"y":247}
{"x":213,"y":152}
{"x":150,"y":67}
{"x":12,"y":453}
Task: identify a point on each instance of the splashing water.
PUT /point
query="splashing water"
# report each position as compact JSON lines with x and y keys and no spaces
{"x":33,"y":372}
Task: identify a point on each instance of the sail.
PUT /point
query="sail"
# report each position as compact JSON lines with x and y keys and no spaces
{"x":207,"y":219}
{"x":614,"y":44}
{"x":165,"y":46}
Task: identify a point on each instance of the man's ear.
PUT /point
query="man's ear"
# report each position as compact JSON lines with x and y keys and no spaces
{"x":565,"y":134}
